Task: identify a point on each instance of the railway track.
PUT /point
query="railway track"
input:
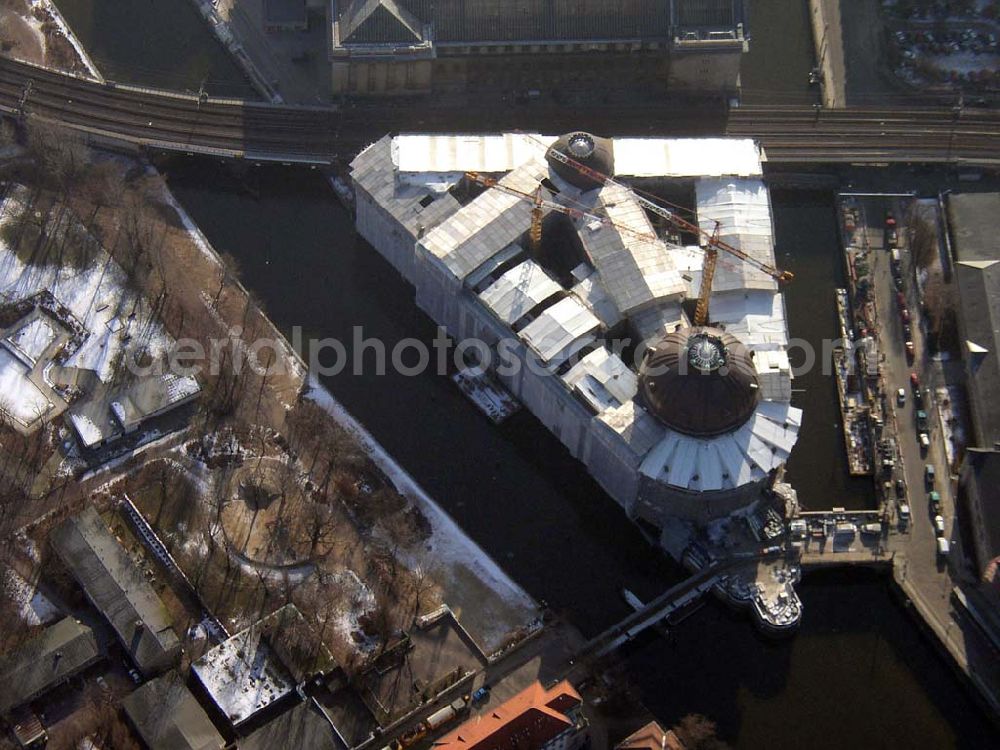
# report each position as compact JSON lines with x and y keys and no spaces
{"x":175,"y":121}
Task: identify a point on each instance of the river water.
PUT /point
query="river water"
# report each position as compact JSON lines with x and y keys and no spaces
{"x":858,"y":674}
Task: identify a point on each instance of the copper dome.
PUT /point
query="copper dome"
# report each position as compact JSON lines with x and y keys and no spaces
{"x":699,"y":381}
{"x":586,"y":149}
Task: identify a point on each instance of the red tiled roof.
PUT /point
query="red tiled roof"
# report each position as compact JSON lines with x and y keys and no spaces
{"x":528,"y":720}
{"x":651,"y":737}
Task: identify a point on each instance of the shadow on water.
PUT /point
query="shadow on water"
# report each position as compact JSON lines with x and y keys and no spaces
{"x":160,"y":43}
{"x":776,"y":69}
{"x":859,"y":674}
{"x":807,"y":244}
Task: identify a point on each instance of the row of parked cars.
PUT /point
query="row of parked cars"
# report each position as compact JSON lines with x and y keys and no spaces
{"x":946,"y":42}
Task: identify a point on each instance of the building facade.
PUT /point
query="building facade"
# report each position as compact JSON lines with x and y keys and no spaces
{"x":414,"y":46}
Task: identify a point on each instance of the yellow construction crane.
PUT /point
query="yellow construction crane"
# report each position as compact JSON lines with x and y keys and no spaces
{"x":712,"y":242}
{"x":540,"y":203}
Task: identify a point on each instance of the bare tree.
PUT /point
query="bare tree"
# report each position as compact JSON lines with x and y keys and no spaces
{"x":60,"y":153}
{"x":923,"y":241}
{"x":697,"y":732}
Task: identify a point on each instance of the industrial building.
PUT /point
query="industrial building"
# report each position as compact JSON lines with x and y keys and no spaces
{"x":412,"y":46}
{"x":257,"y":669}
{"x":49,"y":659}
{"x":117,"y":588}
{"x":580,"y":299}
{"x":167,"y":717}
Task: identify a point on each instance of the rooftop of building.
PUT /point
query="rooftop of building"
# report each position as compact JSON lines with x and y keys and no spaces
{"x":382,"y":22}
{"x":531,"y":718}
{"x":981,"y":477}
{"x":651,"y":737}
{"x":54,"y":655}
{"x":167,"y":717}
{"x":243,"y":675}
{"x":972,"y":222}
{"x":978,"y":284}
{"x":426,"y":661}
{"x":303,"y":726}
{"x":116,"y":587}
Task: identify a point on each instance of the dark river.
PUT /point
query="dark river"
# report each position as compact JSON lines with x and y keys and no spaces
{"x":859,"y":673}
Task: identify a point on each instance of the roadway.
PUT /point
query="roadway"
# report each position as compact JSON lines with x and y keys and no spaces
{"x":257,"y":131}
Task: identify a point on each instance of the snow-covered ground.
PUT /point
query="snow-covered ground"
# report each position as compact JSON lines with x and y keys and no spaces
{"x":21,"y":398}
{"x":97,"y":296}
{"x":66,"y":31}
{"x":347,"y":621}
{"x":34,"y":607}
{"x":449,"y":551}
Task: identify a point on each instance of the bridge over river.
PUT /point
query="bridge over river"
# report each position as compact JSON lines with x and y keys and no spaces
{"x":116,"y":114}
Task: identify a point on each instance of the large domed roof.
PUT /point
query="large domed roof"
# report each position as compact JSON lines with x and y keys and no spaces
{"x":699,"y":381}
{"x":586,"y":149}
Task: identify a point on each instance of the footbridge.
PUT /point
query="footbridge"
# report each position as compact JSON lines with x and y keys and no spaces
{"x":670,"y":601}
{"x":113,"y":114}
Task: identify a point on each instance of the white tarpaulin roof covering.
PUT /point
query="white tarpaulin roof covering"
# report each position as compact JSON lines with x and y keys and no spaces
{"x":726,"y":461}
{"x":466,"y":153}
{"x":561,"y":331}
{"x":743,"y":209}
{"x":602,"y":380}
{"x":634,"y":157}
{"x":487,"y":225}
{"x":516,"y":292}
{"x":686,"y":157}
{"x":634,"y":270}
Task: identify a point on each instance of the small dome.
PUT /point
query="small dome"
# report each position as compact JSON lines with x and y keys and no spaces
{"x":699,"y":381}
{"x":586,"y":149}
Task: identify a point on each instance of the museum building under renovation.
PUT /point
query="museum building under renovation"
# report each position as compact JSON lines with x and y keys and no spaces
{"x":546,"y":251}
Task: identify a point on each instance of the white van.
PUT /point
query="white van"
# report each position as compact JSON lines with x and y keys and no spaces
{"x":943,"y":547}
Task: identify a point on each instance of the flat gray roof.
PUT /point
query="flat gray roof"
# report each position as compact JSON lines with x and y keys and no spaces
{"x":167,"y":717}
{"x":54,"y":655}
{"x":118,"y":589}
{"x":973,"y":220}
{"x":301,"y":727}
{"x":979,"y":306}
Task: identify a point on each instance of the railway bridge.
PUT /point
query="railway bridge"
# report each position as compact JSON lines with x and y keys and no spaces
{"x":114,"y":114}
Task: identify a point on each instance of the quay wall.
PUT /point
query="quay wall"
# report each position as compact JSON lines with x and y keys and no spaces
{"x":828,"y":39}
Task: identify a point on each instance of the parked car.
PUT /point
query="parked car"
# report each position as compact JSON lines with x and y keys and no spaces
{"x":909,"y":352}
{"x":907,"y":332}
{"x":943,"y":548}
{"x":900,"y":300}
{"x":929,"y":474}
{"x":925,"y":443}
{"x":939,"y":525}
{"x":900,"y":488}
{"x":934,"y":500}
{"x":904,"y":314}
{"x":900,"y":397}
{"x":914,"y":380}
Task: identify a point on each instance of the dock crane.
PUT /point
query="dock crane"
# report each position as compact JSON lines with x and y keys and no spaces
{"x":712,"y":242}
{"x":540,"y":203}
